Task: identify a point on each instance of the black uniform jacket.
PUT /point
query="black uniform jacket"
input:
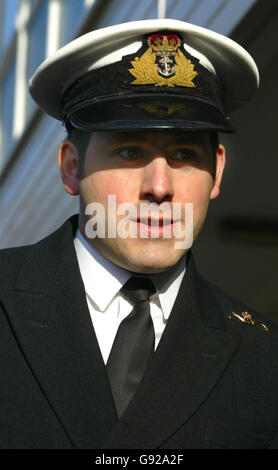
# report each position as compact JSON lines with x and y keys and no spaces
{"x":212,"y":382}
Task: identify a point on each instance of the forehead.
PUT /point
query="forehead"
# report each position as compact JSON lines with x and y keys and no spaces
{"x":154,"y":137}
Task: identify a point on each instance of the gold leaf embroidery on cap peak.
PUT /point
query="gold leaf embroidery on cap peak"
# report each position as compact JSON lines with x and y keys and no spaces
{"x":145,"y":71}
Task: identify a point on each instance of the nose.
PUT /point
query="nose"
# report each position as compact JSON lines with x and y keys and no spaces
{"x":157,"y":182}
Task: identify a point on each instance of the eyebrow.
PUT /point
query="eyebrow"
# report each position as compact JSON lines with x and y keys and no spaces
{"x":128,"y":136}
{"x":125,"y":136}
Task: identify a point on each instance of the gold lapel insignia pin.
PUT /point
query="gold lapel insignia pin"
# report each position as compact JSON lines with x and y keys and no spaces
{"x":245,"y":317}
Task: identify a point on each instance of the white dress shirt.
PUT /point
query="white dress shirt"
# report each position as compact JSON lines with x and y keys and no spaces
{"x":102,"y":282}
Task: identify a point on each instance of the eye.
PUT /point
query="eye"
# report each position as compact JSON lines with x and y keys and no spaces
{"x":130,"y":153}
{"x":184,"y":155}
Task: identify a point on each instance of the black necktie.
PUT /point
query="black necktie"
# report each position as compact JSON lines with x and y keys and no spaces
{"x":133,"y":345}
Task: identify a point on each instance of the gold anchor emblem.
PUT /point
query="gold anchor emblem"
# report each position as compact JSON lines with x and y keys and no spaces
{"x":172,"y":69}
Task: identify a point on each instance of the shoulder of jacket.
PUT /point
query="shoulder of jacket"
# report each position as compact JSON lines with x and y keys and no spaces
{"x":11,"y":259}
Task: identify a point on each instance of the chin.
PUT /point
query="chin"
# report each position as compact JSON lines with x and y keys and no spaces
{"x":154,"y":264}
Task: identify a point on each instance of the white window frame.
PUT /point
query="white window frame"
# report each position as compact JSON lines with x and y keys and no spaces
{"x":26,"y":14}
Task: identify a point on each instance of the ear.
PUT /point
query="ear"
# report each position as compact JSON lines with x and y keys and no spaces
{"x":68,"y":163}
{"x":220,"y":160}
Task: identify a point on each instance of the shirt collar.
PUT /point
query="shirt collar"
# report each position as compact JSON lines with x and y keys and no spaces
{"x":103,"y":279}
{"x":168,"y":284}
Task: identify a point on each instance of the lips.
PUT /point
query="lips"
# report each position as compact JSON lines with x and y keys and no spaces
{"x":150,"y":227}
{"x":151,"y":221}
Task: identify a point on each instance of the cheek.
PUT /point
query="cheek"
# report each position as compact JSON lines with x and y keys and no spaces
{"x":195,"y":188}
{"x":197,"y":191}
{"x":99,"y":185}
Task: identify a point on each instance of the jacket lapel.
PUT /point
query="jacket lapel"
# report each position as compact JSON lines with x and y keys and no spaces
{"x":192,"y":354}
{"x":49,"y":314}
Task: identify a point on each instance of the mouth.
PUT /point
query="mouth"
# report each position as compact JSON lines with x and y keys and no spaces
{"x":152,"y":221}
{"x":151,"y":227}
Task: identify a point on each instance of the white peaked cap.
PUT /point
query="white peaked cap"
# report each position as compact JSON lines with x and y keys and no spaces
{"x":234,"y":68}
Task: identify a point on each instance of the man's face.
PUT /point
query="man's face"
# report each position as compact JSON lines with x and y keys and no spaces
{"x":155,"y":167}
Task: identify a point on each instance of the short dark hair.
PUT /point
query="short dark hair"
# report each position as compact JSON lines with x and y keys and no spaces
{"x":214,"y":139}
{"x":81,"y":140}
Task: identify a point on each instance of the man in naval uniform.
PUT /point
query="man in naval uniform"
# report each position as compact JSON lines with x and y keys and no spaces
{"x":116,"y":342}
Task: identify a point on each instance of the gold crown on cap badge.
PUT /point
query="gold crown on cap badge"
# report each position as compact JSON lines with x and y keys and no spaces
{"x":163,"y":64}
{"x":246,"y":317}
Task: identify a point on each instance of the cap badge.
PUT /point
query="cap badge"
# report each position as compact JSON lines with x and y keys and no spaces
{"x":163,"y":64}
{"x":245,"y":317}
{"x":162,"y":108}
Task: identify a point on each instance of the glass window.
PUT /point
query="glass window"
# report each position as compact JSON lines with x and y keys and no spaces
{"x":7,"y":111}
{"x":10,"y":10}
{"x":72,"y":13}
{"x":37,"y":47}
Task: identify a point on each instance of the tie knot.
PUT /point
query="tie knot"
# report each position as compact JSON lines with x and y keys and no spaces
{"x":137,"y":289}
